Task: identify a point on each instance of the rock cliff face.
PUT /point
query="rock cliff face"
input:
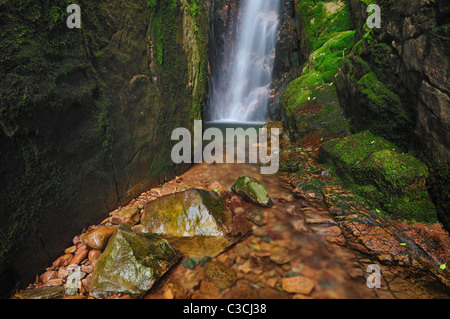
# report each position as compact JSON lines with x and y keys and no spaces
{"x":86,"y":114}
{"x":395,"y":83}
{"x":290,"y":54}
{"x":409,"y":57}
{"x":222,"y":33}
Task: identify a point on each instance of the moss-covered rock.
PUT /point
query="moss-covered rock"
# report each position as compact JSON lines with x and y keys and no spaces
{"x":194,"y":212}
{"x":386,"y":179}
{"x":42,"y":293}
{"x":348,"y":152}
{"x":395,"y":82}
{"x":252,"y":190}
{"x":196,"y":222}
{"x":310,"y":102}
{"x":321,"y":20}
{"x":372,"y":99}
{"x":131,"y":263}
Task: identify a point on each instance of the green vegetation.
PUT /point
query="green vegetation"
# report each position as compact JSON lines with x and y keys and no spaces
{"x":384,"y":108}
{"x":439,"y":189}
{"x":368,"y":163}
{"x":251,"y":189}
{"x":310,"y":101}
{"x":319,"y":72}
{"x":389,"y":181}
{"x":323,"y":20}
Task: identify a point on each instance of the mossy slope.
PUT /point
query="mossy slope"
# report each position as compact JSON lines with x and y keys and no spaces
{"x":310,"y":102}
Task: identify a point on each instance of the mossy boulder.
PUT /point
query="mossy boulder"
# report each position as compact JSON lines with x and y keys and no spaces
{"x":41,"y":293}
{"x":131,"y":263}
{"x":401,"y":173}
{"x":252,"y":190}
{"x":386,"y":179}
{"x":196,"y":222}
{"x":346,"y":153}
{"x":310,"y":102}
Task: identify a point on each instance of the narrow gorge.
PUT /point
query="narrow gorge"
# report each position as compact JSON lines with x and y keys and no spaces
{"x":93,"y":205}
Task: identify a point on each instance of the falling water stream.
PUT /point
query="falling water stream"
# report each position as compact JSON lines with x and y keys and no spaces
{"x":242,"y":95}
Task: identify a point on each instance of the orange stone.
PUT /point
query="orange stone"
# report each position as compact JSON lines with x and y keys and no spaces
{"x":71,"y":250}
{"x":297,"y":285}
{"x":94,"y":254}
{"x":54,"y":282}
{"x":98,"y":238}
{"x":79,"y":257}
{"x":47,"y":276}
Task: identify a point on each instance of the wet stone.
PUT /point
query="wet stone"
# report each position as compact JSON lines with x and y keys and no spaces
{"x":98,"y":238}
{"x":195,"y":222}
{"x":252,"y":190}
{"x":297,"y":285}
{"x":256,"y":216}
{"x":131,"y":264}
{"x":280,"y":258}
{"x":62,"y":261}
{"x":71,"y":250}
{"x":41,"y":293}
{"x":48,"y":275}
{"x":127,"y":215}
{"x":220,"y":274}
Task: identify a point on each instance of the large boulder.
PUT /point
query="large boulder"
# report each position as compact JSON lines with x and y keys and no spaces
{"x":196,"y":222}
{"x":252,"y":190}
{"x":131,"y":263}
{"x":386,"y":179}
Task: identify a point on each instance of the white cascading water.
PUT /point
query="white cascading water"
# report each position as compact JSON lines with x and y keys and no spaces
{"x":245,"y":98}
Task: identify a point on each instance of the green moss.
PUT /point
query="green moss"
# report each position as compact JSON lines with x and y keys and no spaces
{"x":191,"y":213}
{"x":373,"y":98}
{"x":165,"y":30}
{"x":386,"y":179}
{"x":401,"y":173}
{"x":321,"y":25}
{"x":131,"y":263}
{"x":252,"y":190}
{"x":347,"y":152}
{"x":439,"y":181}
{"x":319,"y":72}
{"x":310,"y":101}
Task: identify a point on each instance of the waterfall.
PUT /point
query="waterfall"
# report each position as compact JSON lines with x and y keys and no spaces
{"x":240,"y":93}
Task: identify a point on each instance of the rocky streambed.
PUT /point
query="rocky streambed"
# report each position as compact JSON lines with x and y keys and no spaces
{"x":194,"y":237}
